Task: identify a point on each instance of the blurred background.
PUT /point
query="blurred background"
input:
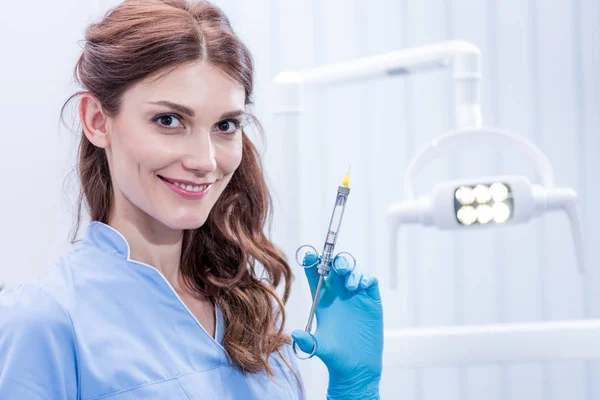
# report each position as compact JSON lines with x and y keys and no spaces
{"x":541,"y":80}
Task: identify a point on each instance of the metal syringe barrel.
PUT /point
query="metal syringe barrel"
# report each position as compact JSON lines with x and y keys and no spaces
{"x":334,"y":227}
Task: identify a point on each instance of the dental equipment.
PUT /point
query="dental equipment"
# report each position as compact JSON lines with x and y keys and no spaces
{"x":326,"y":261}
{"x":481,"y":202}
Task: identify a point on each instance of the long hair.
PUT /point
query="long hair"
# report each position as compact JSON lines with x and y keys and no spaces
{"x":221,"y":259}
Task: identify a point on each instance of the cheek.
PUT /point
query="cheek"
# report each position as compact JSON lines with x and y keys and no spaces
{"x":135,"y":152}
{"x":229,"y":156}
{"x":135,"y":146}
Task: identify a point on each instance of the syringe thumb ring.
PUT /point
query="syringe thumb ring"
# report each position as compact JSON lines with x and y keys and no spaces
{"x":297,"y":350}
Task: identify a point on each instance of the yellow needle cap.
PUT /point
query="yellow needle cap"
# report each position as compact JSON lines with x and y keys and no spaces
{"x":346,"y":181}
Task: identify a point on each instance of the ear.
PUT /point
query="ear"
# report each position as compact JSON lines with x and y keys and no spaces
{"x":93,"y":120}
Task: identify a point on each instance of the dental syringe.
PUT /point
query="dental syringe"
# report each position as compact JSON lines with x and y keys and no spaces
{"x":326,"y":261}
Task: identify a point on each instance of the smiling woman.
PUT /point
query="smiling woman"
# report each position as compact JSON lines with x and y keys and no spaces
{"x":162,"y":299}
{"x":168,"y":177}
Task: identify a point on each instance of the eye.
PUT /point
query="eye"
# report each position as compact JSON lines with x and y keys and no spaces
{"x":170,"y":121}
{"x":229,"y":126}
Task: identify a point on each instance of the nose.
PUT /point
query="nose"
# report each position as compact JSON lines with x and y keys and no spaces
{"x":200,"y":154}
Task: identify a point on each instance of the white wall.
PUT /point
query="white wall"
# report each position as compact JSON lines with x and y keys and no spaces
{"x":39,"y":48}
{"x":541,"y":61}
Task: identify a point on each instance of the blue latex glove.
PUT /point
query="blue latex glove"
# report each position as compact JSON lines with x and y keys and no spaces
{"x":349,"y":331}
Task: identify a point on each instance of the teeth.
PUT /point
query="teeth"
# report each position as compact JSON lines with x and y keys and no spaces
{"x":190,"y":188}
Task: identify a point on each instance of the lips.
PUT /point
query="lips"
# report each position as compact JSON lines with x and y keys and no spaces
{"x":187,"y":189}
{"x":183,"y":182}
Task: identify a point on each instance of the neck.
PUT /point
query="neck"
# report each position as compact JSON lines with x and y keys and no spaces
{"x":150,"y":242}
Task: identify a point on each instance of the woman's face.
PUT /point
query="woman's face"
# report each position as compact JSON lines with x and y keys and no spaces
{"x":175,"y":144}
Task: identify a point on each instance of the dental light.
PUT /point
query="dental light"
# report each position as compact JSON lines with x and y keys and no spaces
{"x":482,"y":202}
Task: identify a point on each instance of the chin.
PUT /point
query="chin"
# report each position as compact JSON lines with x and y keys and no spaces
{"x":186,"y":222}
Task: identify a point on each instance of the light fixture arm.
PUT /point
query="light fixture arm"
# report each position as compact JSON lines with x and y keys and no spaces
{"x":470,"y":138}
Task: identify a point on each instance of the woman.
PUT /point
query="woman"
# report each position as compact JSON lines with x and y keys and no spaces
{"x":162,"y":300}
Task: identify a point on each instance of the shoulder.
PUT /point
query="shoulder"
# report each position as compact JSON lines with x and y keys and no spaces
{"x":40,"y":303}
{"x":59,"y":283}
{"x":33,"y":323}
{"x":26,"y":309}
{"x":54,"y":295}
{"x":38,"y":354}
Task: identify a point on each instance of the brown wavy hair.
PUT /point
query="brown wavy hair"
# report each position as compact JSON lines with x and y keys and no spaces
{"x":221,"y":259}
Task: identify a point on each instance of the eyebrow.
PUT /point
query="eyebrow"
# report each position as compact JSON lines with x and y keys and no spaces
{"x":188,"y":111}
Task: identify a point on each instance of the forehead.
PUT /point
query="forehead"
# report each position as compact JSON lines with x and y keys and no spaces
{"x":200,"y":86}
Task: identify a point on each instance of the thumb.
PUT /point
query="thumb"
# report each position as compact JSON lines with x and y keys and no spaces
{"x":372,"y":287}
{"x":305,"y":341}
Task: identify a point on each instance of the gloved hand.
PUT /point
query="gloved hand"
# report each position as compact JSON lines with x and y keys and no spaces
{"x":349,"y":331}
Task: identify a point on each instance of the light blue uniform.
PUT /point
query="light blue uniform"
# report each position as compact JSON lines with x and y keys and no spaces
{"x":101,"y":326}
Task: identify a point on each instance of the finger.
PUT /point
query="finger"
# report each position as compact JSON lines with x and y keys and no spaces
{"x":366,"y":281}
{"x":313,"y":279}
{"x":343,"y":267}
{"x":305,"y":341}
{"x":354,"y":280}
{"x":311,"y":273}
{"x":373,"y":289}
{"x":309,"y":258}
